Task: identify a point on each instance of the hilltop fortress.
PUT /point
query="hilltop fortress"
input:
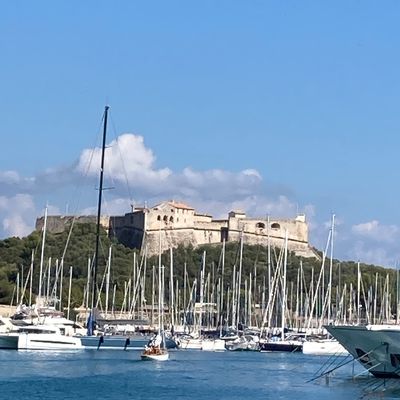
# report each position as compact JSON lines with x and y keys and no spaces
{"x":171,"y":223}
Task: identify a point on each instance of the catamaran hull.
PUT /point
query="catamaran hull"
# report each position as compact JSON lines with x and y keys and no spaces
{"x":376,"y":347}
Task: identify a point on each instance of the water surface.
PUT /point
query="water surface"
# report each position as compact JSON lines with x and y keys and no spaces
{"x":191,"y":375}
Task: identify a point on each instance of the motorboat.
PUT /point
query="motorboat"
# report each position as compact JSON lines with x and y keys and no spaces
{"x":375,"y":347}
{"x":45,"y":337}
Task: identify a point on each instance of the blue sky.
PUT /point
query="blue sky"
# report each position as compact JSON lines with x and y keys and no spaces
{"x":272,"y":107}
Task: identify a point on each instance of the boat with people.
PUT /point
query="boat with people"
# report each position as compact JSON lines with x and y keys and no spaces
{"x":155,"y":350}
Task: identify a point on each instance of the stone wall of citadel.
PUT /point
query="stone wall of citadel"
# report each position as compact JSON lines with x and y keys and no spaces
{"x":58,"y":223}
{"x":171,"y":238}
{"x":186,"y":227}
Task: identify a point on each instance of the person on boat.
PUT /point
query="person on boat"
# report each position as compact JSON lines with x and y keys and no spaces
{"x":157,"y":340}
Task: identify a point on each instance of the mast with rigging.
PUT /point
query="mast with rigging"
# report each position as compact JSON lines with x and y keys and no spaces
{"x":92,"y":317}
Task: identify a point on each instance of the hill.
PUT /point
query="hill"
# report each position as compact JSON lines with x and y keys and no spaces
{"x":302,"y":273}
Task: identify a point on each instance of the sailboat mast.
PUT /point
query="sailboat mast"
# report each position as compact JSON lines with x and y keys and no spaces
{"x":96,"y":259}
{"x":42,"y":253}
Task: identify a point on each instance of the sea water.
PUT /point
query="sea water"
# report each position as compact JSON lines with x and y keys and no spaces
{"x":108,"y":374}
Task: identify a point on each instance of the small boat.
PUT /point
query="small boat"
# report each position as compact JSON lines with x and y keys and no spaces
{"x":188,"y":342}
{"x":324,"y":347}
{"x":155,"y":353}
{"x":290,"y":343}
{"x":155,"y":350}
{"x":244,"y":343}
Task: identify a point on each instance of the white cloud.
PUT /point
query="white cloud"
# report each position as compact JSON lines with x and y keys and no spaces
{"x":371,"y":253}
{"x":9,"y":177}
{"x":129,"y":162}
{"x":126,"y":159}
{"x":374,"y":230}
{"x":16,"y":214}
{"x":112,"y":206}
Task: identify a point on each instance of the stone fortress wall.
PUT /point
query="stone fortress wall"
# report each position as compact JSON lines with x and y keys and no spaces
{"x":172,"y":223}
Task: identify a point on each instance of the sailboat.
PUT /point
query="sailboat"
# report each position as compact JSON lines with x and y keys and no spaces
{"x":156,"y":349}
{"x":282,"y":342}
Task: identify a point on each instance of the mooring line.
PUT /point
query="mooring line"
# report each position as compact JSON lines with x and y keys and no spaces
{"x":344,"y":363}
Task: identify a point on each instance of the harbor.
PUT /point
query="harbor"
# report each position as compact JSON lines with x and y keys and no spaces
{"x":198,"y":200}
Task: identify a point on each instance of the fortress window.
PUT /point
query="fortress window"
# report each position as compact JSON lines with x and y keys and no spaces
{"x":260,"y":225}
{"x":275,"y":225}
{"x":165,"y":218}
{"x":171,"y":219}
{"x":159,"y":218}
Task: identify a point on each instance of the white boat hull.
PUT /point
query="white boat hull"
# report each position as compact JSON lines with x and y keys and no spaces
{"x":155,"y":357}
{"x":202,"y":344}
{"x":155,"y":353}
{"x":324,"y":348}
{"x":190,"y":344}
{"x":213,"y":345}
{"x":244,"y":343}
{"x":47,"y":341}
{"x":376,"y":347}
